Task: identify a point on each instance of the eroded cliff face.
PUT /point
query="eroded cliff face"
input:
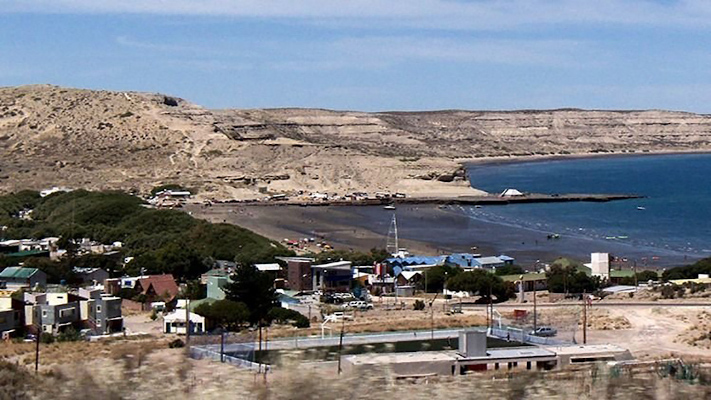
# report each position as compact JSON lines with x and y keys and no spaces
{"x":135,"y":141}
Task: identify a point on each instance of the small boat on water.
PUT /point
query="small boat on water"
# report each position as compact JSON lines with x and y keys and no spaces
{"x":389,"y":207}
{"x":640,"y":208}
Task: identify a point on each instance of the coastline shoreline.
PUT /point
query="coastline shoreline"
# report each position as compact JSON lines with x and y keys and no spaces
{"x":426,"y":230}
{"x":508,"y":159}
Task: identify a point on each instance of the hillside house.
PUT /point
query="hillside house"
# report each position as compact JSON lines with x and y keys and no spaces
{"x":157,"y":288}
{"x":18,"y":277}
{"x":93,"y":276}
{"x":100,"y":312}
{"x":11,"y":315}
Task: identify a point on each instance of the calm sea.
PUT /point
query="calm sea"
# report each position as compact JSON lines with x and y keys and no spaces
{"x":673,"y":220}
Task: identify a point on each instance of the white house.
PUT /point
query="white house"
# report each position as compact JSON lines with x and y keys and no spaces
{"x":175,"y":322}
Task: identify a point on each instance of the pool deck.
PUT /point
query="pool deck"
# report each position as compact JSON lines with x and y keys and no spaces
{"x":333,"y":340}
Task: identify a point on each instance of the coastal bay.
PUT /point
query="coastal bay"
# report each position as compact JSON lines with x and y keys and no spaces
{"x":653,"y":236}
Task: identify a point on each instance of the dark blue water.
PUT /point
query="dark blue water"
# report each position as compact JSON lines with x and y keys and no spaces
{"x":676,"y":219}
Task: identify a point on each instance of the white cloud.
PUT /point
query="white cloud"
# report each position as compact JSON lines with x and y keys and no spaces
{"x":441,"y":14}
{"x":489,"y":51}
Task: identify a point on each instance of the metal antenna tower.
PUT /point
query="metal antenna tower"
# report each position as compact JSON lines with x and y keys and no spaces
{"x":392,"y":245}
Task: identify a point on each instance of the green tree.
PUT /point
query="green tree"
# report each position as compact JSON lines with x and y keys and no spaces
{"x":482,"y":283}
{"x":375,"y":255}
{"x":569,"y":280}
{"x":646,"y":276}
{"x":435,"y":277}
{"x":194,"y":290}
{"x":228,"y":314}
{"x":509,"y":270}
{"x":281,"y":315}
{"x":57,"y":271}
{"x":253,"y":288}
{"x":688,"y":271}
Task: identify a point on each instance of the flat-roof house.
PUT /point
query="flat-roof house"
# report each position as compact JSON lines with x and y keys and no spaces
{"x":101,"y":312}
{"x":59,"y":313}
{"x":91,"y":275}
{"x":299,"y":272}
{"x":332,"y":276}
{"x":22,"y":277}
{"x":488,"y":262}
{"x":11,"y":314}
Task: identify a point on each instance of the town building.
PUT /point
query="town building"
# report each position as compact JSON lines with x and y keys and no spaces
{"x":335,"y":276}
{"x":11,"y":315}
{"x":175,"y":322}
{"x":600,"y":265}
{"x":19,"y":277}
{"x":474,"y":356}
{"x":92,"y":276}
{"x":157,"y":288}
{"x":299,"y":274}
{"x":101,"y":312}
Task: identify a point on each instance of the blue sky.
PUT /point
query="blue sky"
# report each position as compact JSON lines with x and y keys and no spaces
{"x":370,"y":55}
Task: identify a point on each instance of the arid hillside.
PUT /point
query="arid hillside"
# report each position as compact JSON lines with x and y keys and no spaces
{"x":53,"y":136}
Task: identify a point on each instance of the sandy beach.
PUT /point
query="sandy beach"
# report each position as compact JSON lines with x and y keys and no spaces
{"x":423,"y":229}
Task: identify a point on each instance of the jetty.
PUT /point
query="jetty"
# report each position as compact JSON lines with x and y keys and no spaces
{"x":458,"y":200}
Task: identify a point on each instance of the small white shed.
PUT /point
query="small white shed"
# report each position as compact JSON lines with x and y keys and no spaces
{"x":511,"y":193}
{"x":175,"y":322}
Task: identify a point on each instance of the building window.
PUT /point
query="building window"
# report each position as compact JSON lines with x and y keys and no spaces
{"x":67,"y":312}
{"x":98,"y":308}
{"x":44,"y":313}
{"x":98,"y":322}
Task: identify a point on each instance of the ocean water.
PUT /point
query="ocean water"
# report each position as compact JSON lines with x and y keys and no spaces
{"x":674,"y":222}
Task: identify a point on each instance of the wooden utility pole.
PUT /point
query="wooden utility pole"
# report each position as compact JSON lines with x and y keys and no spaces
{"x":432,"y":316}
{"x":187,"y":322}
{"x":222,"y":344}
{"x":259,"y":324}
{"x":585,"y":320}
{"x":535,"y":310}
{"x":635,"y":274}
{"x":340,"y":343}
{"x":39,"y":333}
{"x":491,"y":307}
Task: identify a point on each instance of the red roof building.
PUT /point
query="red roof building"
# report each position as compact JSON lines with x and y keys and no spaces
{"x":158,"y":287}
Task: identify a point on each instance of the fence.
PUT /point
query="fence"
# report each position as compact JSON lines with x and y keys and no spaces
{"x":518,"y":335}
{"x":199,"y":353}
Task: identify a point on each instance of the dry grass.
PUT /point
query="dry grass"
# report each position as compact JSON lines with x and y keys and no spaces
{"x":698,"y":334}
{"x":166,"y":373}
{"x":600,"y":319}
{"x":389,"y":321}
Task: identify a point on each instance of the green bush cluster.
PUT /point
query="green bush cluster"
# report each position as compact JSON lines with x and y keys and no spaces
{"x":281,"y":315}
{"x":688,"y":271}
{"x":419,"y":305}
{"x":161,"y":241}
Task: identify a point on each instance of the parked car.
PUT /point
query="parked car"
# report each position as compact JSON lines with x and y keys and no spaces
{"x":544,"y":331}
{"x":361,"y":305}
{"x":340,"y":315}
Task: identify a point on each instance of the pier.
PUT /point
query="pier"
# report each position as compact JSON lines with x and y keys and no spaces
{"x":459,"y":200}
